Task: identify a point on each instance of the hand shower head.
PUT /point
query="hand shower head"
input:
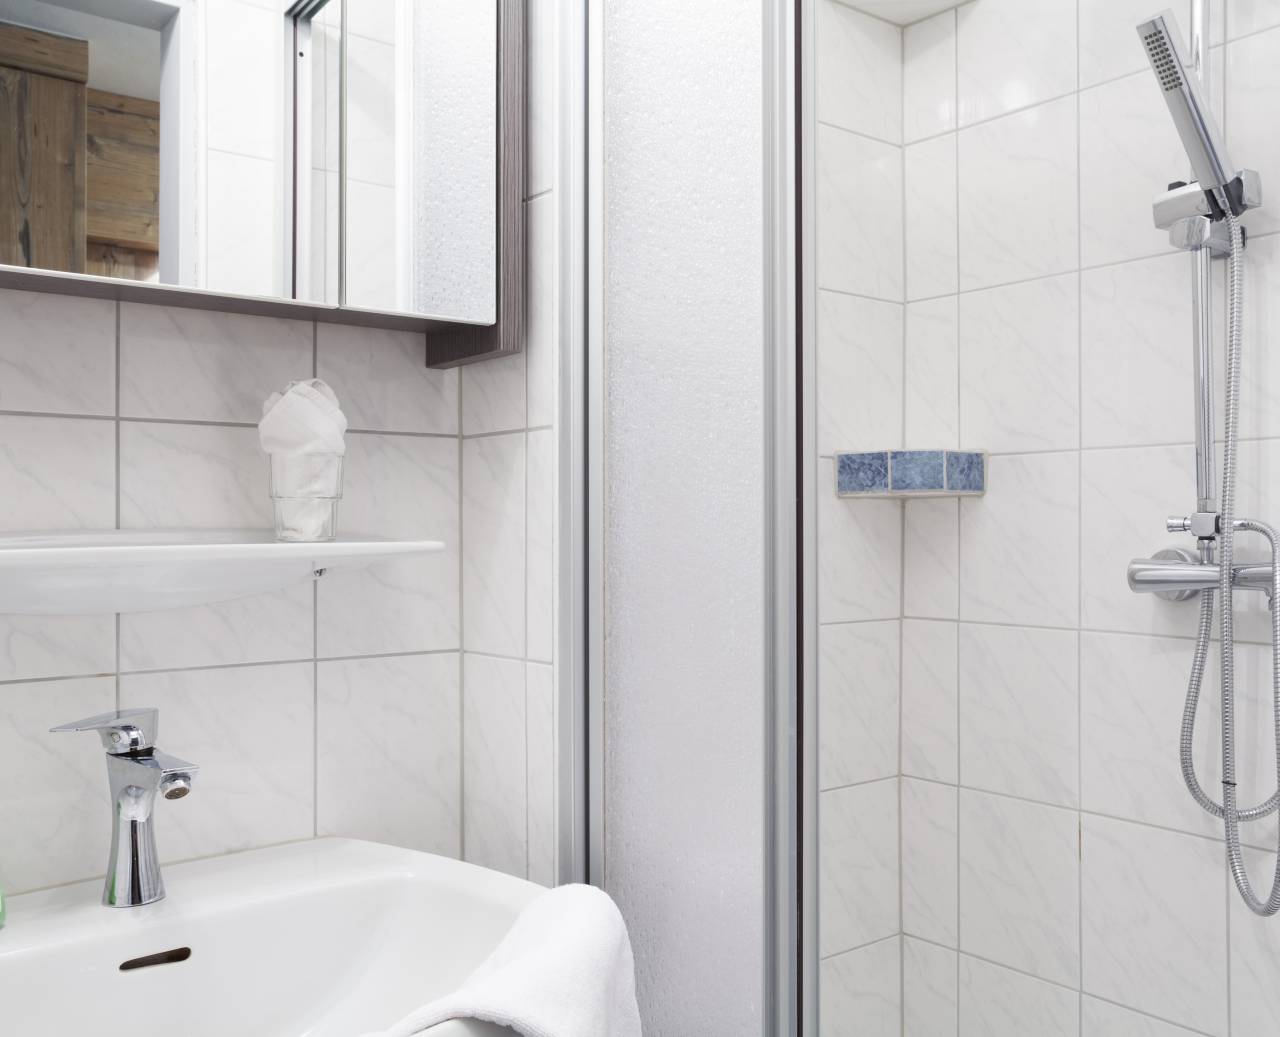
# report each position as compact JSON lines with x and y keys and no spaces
{"x":1200,"y":135}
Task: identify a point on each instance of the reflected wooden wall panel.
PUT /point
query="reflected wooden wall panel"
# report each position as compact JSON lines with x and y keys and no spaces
{"x":124,"y":171}
{"x":42,"y":150}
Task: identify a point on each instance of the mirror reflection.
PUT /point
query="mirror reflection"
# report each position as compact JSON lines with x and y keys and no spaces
{"x":79,"y":156}
{"x":341,"y":152}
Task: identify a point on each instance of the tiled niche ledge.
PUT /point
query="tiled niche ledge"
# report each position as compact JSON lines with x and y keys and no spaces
{"x":912,"y":473}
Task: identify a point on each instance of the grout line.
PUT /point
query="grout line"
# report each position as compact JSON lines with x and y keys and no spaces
{"x":524,"y":602}
{"x":315,"y":644}
{"x":1031,"y":975}
{"x":1117,"y":818}
{"x":902,"y":539}
{"x":860,"y":133}
{"x":861,"y":946}
{"x":509,"y":432}
{"x":461,"y":602}
{"x":116,"y":430}
{"x":297,"y":661}
{"x":1079,"y":545}
{"x":1208,"y":86}
{"x":1096,"y":449}
{"x":955,"y":40}
{"x":1145,"y":257}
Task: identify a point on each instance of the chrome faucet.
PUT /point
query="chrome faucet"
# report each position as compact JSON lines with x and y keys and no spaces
{"x":137,"y":771}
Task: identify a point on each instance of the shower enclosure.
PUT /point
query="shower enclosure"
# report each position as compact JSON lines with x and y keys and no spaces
{"x":1001,"y":838}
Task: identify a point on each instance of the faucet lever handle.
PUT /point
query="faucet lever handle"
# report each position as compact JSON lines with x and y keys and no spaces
{"x":122,"y":730}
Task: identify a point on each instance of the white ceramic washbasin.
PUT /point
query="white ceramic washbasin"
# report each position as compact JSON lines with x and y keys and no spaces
{"x":330,"y":938}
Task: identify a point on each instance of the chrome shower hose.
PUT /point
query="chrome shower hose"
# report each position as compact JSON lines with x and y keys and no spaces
{"x":1228,"y":810}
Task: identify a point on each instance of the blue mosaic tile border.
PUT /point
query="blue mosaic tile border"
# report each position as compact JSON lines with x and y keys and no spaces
{"x":912,"y":473}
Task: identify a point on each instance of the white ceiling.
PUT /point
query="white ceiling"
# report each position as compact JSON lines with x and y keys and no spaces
{"x":902,"y":11}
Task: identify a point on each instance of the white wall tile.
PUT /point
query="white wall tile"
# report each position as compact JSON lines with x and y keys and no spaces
{"x":251,"y":732}
{"x":1103,"y":1019}
{"x":930,"y":192}
{"x":1019,"y":709}
{"x":32,"y":647}
{"x":1031,"y":578}
{"x":541,"y":771}
{"x":396,"y":486}
{"x":930,"y":880}
{"x":1132,"y":691}
{"x":859,"y":72}
{"x":373,"y":281}
{"x":930,"y":1004}
{"x":540,"y":508}
{"x":861,"y":992}
{"x":57,"y":353}
{"x":1260,"y":367}
{"x":493,"y":395}
{"x":1127,"y":494}
{"x":931,"y":559}
{"x":1109,"y":44}
{"x":374,"y":19}
{"x":262,"y":628}
{"x":382,"y":380}
{"x":371,"y":110}
{"x":542,"y":345}
{"x":933,"y":374}
{"x":493,"y":555}
{"x":191,"y":476}
{"x":1253,"y":81}
{"x":1018,"y":195}
{"x":1014,"y":53}
{"x":1248,"y":16}
{"x":1138,"y":952}
{"x":930,"y":700}
{"x":1257,"y":493}
{"x":242,"y":244}
{"x":1020,"y":366}
{"x":494,"y":763}
{"x":54,"y":800}
{"x":860,"y":544}
{"x":860,"y":238}
{"x":1255,"y":954}
{"x":1136,"y":371}
{"x":929,"y":76}
{"x":858,"y":865}
{"x":1019,"y":885}
{"x":199,"y":365}
{"x":56,"y":473}
{"x":858,"y":683}
{"x":859,"y":373}
{"x":244,"y":57}
{"x":998,"y":1002}
{"x":1129,"y":152}
{"x":388,"y":751}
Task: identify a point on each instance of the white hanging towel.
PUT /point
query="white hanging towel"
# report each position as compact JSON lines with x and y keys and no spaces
{"x":304,"y":419}
{"x":563,"y":970}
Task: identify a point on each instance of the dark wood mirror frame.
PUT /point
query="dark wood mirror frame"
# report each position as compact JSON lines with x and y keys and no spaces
{"x":449,"y":343}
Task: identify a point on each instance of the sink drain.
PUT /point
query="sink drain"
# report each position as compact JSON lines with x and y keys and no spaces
{"x":163,"y":958}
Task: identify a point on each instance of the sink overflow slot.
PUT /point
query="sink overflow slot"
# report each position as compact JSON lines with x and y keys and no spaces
{"x":163,"y":958}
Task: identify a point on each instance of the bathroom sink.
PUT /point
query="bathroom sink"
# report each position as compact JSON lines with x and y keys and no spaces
{"x":331,"y":938}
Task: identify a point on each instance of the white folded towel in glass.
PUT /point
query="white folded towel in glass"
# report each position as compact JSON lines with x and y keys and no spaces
{"x":304,"y":419}
{"x":563,"y":970}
